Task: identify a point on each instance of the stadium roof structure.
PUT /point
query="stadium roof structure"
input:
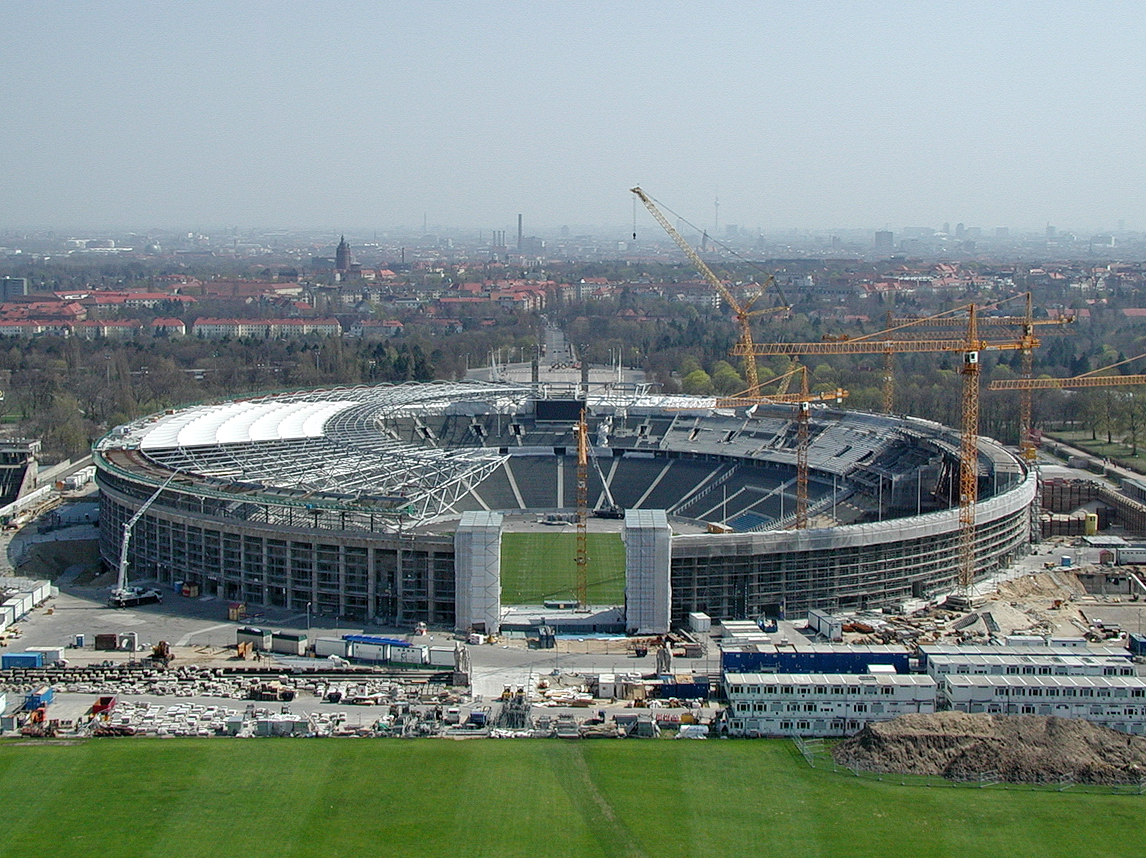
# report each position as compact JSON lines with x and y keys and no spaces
{"x":324,"y":448}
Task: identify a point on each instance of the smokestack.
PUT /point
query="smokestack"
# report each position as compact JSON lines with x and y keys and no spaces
{"x":519,"y":235}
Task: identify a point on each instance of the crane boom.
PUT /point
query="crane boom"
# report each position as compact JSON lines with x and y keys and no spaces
{"x":868,"y":347}
{"x":121,"y":592}
{"x":743,"y":313}
{"x":1064,"y":383}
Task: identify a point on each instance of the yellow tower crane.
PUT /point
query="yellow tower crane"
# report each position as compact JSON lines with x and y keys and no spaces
{"x":970,"y":345}
{"x":582,"y":559}
{"x":1026,"y":323}
{"x":742,"y":312}
{"x":1087,"y":379}
{"x":803,"y":402}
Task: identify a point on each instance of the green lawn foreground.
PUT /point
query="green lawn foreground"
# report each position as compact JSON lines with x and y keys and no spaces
{"x":537,"y":798}
{"x":540,"y":566}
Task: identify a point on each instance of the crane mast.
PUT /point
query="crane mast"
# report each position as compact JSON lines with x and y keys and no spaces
{"x":802,"y":436}
{"x":582,"y":558}
{"x":971,"y":345}
{"x":969,"y":457}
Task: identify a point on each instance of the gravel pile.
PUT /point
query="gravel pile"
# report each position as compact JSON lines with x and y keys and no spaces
{"x":1015,"y":748}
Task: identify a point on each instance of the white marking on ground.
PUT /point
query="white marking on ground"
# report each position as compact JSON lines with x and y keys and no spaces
{"x":122,"y":619}
{"x":186,"y":639}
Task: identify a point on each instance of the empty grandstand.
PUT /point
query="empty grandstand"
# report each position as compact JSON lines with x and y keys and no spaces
{"x":357,"y":501}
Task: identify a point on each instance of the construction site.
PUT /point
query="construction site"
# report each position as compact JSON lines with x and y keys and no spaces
{"x":594,"y":557}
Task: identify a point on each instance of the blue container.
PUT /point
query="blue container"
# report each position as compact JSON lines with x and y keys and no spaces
{"x":1136,"y":644}
{"x":375,"y":640}
{"x":24,"y":660}
{"x":40,"y":697}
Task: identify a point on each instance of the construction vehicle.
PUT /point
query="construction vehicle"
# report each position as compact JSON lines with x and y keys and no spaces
{"x":129,"y":597}
{"x":161,"y":654}
{"x":611,"y":509}
{"x":37,"y":726}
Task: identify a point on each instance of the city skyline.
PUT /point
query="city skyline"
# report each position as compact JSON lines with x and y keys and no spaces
{"x":825,"y":117}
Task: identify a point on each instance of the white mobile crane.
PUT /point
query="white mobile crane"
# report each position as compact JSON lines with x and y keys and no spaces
{"x":128,"y":597}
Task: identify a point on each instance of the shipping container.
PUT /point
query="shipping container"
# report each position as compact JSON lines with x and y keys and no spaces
{"x":408,"y":655}
{"x":259,"y":639}
{"x":324,"y":647}
{"x":1136,"y":643}
{"x":441,"y":656}
{"x":7,"y":616}
{"x":51,"y":654}
{"x":40,"y":592}
{"x":700,"y":622}
{"x":104,"y":705}
{"x":24,"y":660}
{"x":288,"y":643}
{"x":42,"y":696}
{"x":375,"y":639}
{"x":107,"y":642}
{"x":1130,"y":554}
{"x":814,"y":658}
{"x":823,"y":623}
{"x":369,"y":651}
{"x":607,"y":686}
{"x":14,"y":605}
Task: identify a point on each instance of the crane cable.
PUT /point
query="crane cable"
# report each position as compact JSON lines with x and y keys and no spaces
{"x":722,"y":245}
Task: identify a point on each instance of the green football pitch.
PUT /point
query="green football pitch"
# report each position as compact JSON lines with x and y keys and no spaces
{"x":291,"y":798}
{"x":540,"y":566}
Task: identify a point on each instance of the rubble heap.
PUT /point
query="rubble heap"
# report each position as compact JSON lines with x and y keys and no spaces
{"x":1012,"y":748}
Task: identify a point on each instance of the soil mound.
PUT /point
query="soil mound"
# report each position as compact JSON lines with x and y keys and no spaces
{"x":1015,"y":748}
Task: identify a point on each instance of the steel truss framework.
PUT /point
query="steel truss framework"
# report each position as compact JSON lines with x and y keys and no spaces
{"x":351,"y":466}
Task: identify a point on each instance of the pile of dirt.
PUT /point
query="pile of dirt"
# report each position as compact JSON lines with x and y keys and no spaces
{"x":1015,"y":748}
{"x":50,"y":559}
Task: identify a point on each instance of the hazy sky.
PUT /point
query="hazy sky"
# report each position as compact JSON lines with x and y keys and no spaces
{"x":374,"y":114}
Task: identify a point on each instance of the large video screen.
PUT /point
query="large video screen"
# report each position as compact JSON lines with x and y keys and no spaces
{"x":566,"y":410}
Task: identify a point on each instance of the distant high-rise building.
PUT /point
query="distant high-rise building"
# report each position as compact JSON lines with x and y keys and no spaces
{"x":342,"y":256}
{"x":11,"y":287}
{"x":1052,"y":233}
{"x":959,"y":229}
{"x":885,"y":240}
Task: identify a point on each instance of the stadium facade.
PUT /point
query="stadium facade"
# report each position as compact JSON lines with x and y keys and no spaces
{"x":387,"y":504}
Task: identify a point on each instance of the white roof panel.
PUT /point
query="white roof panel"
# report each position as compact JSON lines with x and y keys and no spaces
{"x":241,"y":422}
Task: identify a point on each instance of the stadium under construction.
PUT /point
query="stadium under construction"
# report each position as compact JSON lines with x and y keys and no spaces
{"x":388,"y":504}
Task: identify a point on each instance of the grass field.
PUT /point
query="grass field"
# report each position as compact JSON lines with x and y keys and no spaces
{"x":295,"y":798}
{"x":1118,"y":451}
{"x":540,"y":566}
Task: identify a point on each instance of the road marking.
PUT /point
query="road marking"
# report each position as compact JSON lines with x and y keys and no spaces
{"x":122,"y":619}
{"x":186,"y":639}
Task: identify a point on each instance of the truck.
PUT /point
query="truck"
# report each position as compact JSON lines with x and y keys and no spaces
{"x":130,"y":597}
